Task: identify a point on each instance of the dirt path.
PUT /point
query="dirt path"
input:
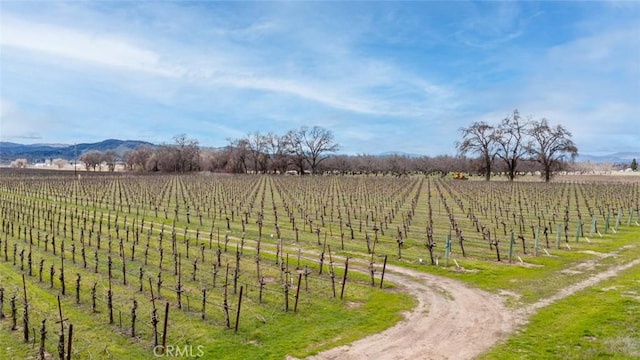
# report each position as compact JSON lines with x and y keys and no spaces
{"x":451,"y":320}
{"x":591,"y":281}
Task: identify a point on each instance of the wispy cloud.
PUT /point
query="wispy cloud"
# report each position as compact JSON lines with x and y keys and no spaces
{"x":79,"y":45}
{"x":104,"y":50}
{"x":16,"y":123}
{"x":492,"y":24}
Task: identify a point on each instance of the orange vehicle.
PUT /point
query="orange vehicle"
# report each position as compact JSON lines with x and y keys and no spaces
{"x":459,"y":176}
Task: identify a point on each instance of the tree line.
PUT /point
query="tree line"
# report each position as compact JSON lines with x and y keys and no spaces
{"x":302,"y":150}
{"x":513,"y":146}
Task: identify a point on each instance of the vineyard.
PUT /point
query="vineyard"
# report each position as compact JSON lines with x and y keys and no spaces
{"x":218,"y":266}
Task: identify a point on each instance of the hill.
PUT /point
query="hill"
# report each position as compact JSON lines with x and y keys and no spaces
{"x":615,"y":158}
{"x":40,"y":152}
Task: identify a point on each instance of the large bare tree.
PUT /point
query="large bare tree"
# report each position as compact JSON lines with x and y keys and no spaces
{"x":137,"y":158}
{"x":257,"y":146}
{"x":280,"y":151}
{"x":314,"y":144}
{"x":550,"y":146}
{"x":297,"y":157}
{"x":237,"y":155}
{"x":166,"y":158}
{"x":59,"y":163}
{"x":22,"y":163}
{"x":214,"y":159}
{"x":110,"y":157}
{"x":511,"y":140}
{"x":479,"y":138}
{"x":188,"y":153}
{"x":91,"y":159}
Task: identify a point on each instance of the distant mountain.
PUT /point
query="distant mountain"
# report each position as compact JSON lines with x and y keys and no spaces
{"x":615,"y":158}
{"x":41,"y":152}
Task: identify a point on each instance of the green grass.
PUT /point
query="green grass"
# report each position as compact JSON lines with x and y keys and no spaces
{"x":265,"y":332}
{"x":94,"y":338}
{"x":600,"y":322}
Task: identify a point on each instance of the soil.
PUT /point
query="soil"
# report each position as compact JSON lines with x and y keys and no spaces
{"x":451,"y":321}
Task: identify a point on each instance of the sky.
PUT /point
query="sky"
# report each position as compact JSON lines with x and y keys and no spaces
{"x":381,"y":76}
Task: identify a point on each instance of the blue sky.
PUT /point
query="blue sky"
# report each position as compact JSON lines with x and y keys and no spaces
{"x":382,"y":76}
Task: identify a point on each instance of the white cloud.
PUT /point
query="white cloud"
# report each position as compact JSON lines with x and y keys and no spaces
{"x":80,"y":45}
{"x":123,"y":53}
{"x":16,"y":123}
{"x":492,"y":24}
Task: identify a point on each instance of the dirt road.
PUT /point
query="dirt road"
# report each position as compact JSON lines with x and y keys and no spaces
{"x":451,"y":321}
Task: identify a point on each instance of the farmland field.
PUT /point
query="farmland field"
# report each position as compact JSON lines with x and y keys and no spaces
{"x":274,"y":266}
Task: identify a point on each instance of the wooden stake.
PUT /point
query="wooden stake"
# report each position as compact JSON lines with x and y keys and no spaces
{"x":61,"y":321}
{"x":384,"y":266}
{"x":26,"y":311}
{"x":70,"y":341}
{"x":164,"y":331}
{"x":295,"y":307}
{"x":238,"y":312}
{"x":344,"y":278}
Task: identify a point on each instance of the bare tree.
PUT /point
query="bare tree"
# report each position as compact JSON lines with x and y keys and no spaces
{"x":313,"y":145}
{"x":280,"y":149}
{"x":479,"y":138}
{"x":137,"y":158}
{"x":370,"y":164}
{"x":257,"y":146}
{"x":424,"y":164}
{"x":109,"y":157}
{"x":59,"y":163}
{"x":592,"y":168}
{"x":188,"y":154}
{"x":510,"y":138}
{"x":91,"y":159}
{"x":342,"y":164}
{"x":447,"y":163}
{"x":550,"y":146}
{"x":19,"y":163}
{"x":297,"y":151}
{"x":166,"y":158}
{"x":396,"y":165}
{"x":237,"y":155}
{"x":213,"y":159}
